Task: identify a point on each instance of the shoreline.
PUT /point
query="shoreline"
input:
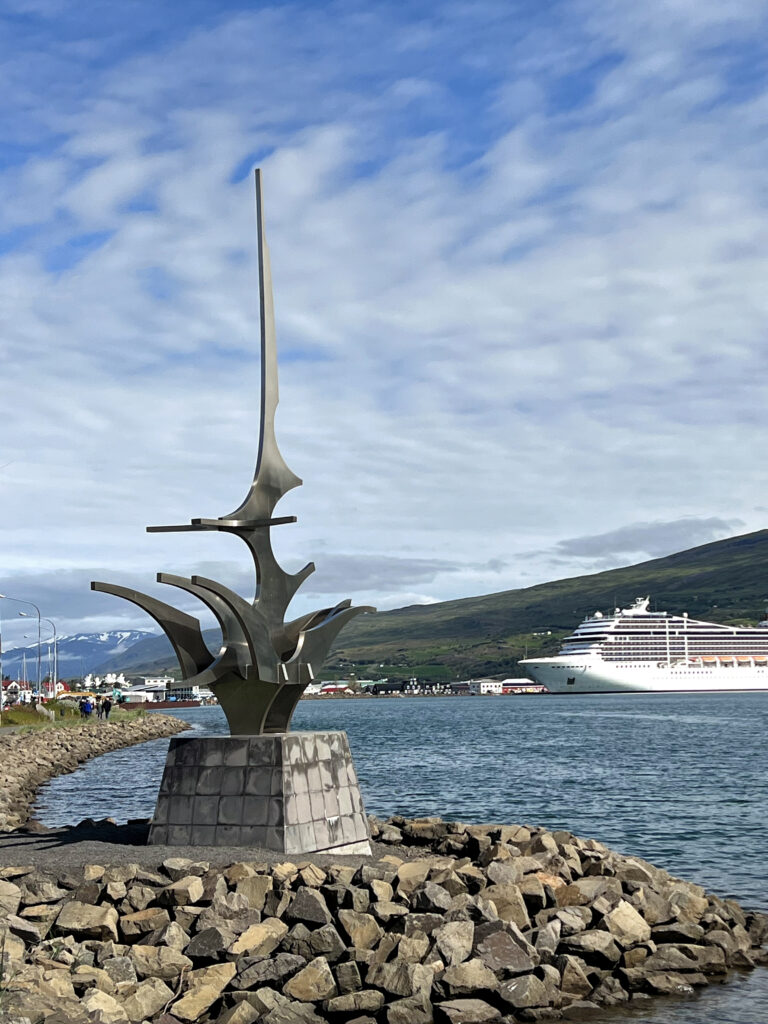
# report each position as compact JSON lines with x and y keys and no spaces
{"x":26,"y":763}
{"x":446,"y":922}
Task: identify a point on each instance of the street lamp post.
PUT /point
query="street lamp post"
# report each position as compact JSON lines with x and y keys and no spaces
{"x":31,"y":604}
{"x":55,"y":679}
{"x":2,"y":691}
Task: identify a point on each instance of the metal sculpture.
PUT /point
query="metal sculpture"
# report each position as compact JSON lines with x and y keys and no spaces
{"x":265,"y":663}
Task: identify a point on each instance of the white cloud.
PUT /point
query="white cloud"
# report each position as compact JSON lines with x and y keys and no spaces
{"x":516,"y":303}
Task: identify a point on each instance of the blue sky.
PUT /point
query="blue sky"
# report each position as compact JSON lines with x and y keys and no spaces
{"x":519,"y":252}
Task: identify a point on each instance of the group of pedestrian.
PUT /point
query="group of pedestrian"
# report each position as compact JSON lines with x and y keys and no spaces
{"x":101,"y":705}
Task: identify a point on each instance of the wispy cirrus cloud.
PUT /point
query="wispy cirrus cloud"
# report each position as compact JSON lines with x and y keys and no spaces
{"x":518,"y":259}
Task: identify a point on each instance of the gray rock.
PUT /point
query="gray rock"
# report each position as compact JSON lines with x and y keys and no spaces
{"x":466,"y":1011}
{"x":525,"y":991}
{"x":415,"y":1010}
{"x":313,"y":983}
{"x":210,"y":944}
{"x":364,"y":1001}
{"x":501,"y":954}
{"x":470,"y":978}
{"x":592,"y":946}
{"x":362,"y":929}
{"x":347,"y":977}
{"x":293,"y":1013}
{"x":400,"y":979}
{"x":548,"y":938}
{"x":309,"y":907}
{"x":261,"y":971}
{"x":430,"y":898}
{"x":326,"y":942}
{"x":454,"y":941}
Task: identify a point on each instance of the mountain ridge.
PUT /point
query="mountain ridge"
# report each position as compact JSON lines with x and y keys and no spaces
{"x":722,"y":581}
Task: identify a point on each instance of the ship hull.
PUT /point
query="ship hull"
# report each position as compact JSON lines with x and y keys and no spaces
{"x":571,"y":675}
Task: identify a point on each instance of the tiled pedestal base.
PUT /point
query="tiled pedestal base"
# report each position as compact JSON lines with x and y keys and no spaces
{"x":291,"y":792}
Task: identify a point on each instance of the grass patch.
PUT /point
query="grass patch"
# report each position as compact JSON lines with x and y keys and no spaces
{"x":26,"y":719}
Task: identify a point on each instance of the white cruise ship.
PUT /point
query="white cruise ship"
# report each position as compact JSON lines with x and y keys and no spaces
{"x":638,"y":649}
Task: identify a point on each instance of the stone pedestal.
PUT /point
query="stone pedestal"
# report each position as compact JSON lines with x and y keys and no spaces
{"x":290,"y":792}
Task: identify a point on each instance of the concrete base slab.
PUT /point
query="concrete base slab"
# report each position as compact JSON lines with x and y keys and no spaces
{"x":291,"y":792}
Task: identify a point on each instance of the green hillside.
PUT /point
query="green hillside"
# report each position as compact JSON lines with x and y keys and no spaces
{"x":726,"y":581}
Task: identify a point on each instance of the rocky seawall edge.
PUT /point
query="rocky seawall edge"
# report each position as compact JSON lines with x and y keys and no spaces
{"x":450,"y":923}
{"x":30,"y":759}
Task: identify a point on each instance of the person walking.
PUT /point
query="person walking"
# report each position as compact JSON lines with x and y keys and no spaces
{"x":81,"y":705}
{"x":106,"y":707}
{"x":87,"y":708}
{"x":99,"y":708}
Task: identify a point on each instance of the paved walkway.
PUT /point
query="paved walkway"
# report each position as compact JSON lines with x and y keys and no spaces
{"x":102,"y":842}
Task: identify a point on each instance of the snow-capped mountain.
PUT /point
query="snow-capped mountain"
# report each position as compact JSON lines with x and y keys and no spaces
{"x":78,"y":654}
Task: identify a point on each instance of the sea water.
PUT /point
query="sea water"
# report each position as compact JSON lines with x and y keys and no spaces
{"x":678,"y":779}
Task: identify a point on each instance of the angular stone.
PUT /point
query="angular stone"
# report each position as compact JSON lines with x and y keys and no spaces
{"x":573,"y":977}
{"x":413,"y":949}
{"x":29,"y":931}
{"x":548,"y":938}
{"x":274,"y":970}
{"x":593,"y":945}
{"x":509,"y":904}
{"x":347,"y":977}
{"x":120,"y":968}
{"x":103,"y":1007}
{"x":326,"y":942}
{"x":293,"y":1013}
{"x":430,"y":898}
{"x":381,"y":890}
{"x":184,"y":892}
{"x":158,"y":962}
{"x":216,"y":976}
{"x":685,"y":957}
{"x":400,"y":979}
{"x":180,"y":867}
{"x":240,"y":1013}
{"x":10,"y":898}
{"x":365,"y":1001}
{"x":309,"y":907}
{"x":573,"y":919}
{"x":523,"y":992}
{"x":260,"y":939}
{"x":210,"y":944}
{"x":414,"y":1010}
{"x":147,"y":999}
{"x":194,"y":1003}
{"x":255,"y":888}
{"x":454,"y":941}
{"x":468,"y":978}
{"x":362,"y":929}
{"x":87,"y":922}
{"x":312,"y":984}
{"x":141,"y":922}
{"x":678,"y":931}
{"x":626,"y":925}
{"x":465,"y":1011}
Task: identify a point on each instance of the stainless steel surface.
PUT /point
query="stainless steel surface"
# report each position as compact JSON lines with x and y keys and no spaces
{"x":264,"y":663}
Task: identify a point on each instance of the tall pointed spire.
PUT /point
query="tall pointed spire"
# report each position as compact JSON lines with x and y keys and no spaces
{"x":264,"y":663}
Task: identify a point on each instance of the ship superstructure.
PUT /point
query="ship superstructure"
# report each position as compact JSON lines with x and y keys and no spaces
{"x":636,"y":648}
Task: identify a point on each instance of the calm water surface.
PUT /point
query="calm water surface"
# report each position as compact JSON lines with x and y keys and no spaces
{"x":681,"y":780}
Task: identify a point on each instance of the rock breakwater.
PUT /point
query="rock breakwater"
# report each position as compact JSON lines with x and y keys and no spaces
{"x":27,"y":760}
{"x":454,"y":924}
